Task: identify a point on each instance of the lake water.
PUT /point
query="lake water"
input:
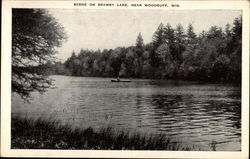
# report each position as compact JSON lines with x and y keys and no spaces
{"x":206,"y":115}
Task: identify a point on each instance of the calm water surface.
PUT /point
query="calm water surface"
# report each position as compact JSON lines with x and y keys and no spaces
{"x":206,"y":115}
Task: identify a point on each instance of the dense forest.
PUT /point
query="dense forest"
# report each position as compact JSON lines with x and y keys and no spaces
{"x":174,"y":53}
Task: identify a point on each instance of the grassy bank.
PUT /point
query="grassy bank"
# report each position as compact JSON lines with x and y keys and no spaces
{"x":40,"y":134}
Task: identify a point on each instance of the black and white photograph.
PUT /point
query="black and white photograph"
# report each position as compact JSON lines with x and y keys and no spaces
{"x":126,"y":79}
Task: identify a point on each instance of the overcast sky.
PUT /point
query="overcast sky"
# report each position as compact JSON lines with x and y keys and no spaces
{"x":107,"y":29}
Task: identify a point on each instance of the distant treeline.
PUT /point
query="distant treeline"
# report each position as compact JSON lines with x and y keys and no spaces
{"x":213,"y":55}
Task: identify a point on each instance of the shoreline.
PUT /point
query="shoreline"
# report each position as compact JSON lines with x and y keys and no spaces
{"x":155,"y":79}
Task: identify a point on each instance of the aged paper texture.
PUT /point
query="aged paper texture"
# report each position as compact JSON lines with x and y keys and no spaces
{"x":113,"y":69}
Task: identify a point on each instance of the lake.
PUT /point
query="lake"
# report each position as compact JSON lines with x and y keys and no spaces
{"x":194,"y":113}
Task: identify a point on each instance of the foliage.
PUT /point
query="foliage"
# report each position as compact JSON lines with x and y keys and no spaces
{"x":213,"y":55}
{"x":35,"y":34}
{"x":139,"y":41}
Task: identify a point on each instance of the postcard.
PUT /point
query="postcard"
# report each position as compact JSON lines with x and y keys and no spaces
{"x":125,"y":79}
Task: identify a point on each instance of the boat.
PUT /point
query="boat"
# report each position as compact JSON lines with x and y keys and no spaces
{"x":118,"y":80}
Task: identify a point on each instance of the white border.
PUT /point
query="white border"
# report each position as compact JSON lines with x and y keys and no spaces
{"x":6,"y":83}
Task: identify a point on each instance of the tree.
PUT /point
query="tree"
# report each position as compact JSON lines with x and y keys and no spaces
{"x":35,"y":35}
{"x":179,"y":34}
{"x":139,"y":41}
{"x":191,"y":36}
{"x":169,"y":37}
{"x":228,"y":31}
{"x":235,"y":50}
{"x":179,"y":42}
{"x":116,"y":61}
{"x":70,"y":63}
{"x":158,"y":38}
{"x":129,"y":62}
{"x":220,"y":68}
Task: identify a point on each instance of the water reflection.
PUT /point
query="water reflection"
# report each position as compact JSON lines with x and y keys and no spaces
{"x":197,"y":119}
{"x":208,"y":115}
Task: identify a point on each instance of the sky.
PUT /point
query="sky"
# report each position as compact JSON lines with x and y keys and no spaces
{"x":108,"y":29}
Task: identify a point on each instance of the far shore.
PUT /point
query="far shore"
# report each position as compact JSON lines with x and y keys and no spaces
{"x":158,"y":79}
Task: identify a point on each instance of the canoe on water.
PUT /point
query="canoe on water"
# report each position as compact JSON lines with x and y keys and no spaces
{"x":115,"y":80}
